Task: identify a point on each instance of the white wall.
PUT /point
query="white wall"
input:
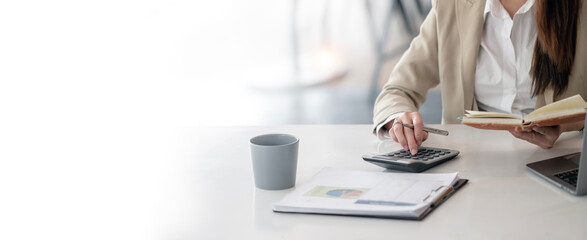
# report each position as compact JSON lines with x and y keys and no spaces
{"x":139,"y":63}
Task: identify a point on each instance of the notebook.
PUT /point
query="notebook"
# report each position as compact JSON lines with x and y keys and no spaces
{"x":567,"y":110}
{"x":371,"y":194}
{"x":568,"y":172}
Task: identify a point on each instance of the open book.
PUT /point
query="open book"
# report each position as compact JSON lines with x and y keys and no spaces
{"x":564,"y":111}
{"x":374,"y":194}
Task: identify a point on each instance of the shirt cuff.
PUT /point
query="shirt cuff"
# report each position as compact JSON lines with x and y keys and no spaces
{"x":382,"y":132}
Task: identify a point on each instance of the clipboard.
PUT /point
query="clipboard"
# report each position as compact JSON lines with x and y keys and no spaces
{"x":370,"y":194}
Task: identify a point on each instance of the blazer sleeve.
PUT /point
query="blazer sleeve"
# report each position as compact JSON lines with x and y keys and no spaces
{"x":414,"y":74}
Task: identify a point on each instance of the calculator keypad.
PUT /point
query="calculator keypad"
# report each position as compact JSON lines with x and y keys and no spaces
{"x":424,"y":154}
{"x":403,"y":160}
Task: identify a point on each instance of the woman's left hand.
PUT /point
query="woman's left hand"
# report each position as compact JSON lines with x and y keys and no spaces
{"x":541,"y":136}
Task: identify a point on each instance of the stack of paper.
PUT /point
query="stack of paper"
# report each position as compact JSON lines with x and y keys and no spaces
{"x":377,"y":194}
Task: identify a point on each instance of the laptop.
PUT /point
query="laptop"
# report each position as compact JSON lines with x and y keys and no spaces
{"x":568,"y":172}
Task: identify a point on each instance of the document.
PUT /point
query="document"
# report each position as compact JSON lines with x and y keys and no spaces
{"x":376,"y":194}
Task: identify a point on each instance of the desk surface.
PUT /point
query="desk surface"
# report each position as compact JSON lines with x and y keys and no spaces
{"x":196,"y":183}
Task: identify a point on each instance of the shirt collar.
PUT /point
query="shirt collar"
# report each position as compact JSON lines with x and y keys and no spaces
{"x":496,"y":9}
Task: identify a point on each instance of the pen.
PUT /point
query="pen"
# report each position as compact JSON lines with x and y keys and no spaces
{"x":428,"y":129}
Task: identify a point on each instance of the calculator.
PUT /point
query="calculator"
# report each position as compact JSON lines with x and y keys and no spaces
{"x":403,"y":160}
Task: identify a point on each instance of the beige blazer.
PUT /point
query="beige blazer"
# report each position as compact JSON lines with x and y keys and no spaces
{"x":445,"y":53}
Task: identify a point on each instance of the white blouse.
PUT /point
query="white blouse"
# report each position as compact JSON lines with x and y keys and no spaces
{"x":502,"y":79}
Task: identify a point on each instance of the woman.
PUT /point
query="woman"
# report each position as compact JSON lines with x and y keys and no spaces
{"x":496,"y":55}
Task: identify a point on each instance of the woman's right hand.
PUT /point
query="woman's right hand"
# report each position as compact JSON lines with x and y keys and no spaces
{"x":409,"y":139}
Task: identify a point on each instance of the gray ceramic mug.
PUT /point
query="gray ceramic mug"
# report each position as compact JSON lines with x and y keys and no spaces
{"x":275,"y":160}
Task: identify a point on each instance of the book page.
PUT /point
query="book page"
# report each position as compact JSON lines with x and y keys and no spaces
{"x":567,"y":103}
{"x":559,"y":113}
{"x":487,"y":120}
{"x":482,"y":114}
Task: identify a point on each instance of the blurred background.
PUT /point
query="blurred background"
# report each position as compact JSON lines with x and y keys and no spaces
{"x":94,"y":95}
{"x":191,"y":63}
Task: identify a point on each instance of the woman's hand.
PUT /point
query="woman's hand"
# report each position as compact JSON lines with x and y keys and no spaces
{"x":546,"y":136}
{"x":541,"y":136}
{"x":409,"y":138}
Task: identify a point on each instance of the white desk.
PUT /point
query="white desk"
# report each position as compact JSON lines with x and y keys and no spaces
{"x":196,"y":183}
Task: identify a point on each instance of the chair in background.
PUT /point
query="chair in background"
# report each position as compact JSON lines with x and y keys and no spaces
{"x":432,"y":109}
{"x":380,"y":41}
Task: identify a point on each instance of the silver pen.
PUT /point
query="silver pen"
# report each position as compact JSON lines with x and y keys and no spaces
{"x":428,"y":129}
